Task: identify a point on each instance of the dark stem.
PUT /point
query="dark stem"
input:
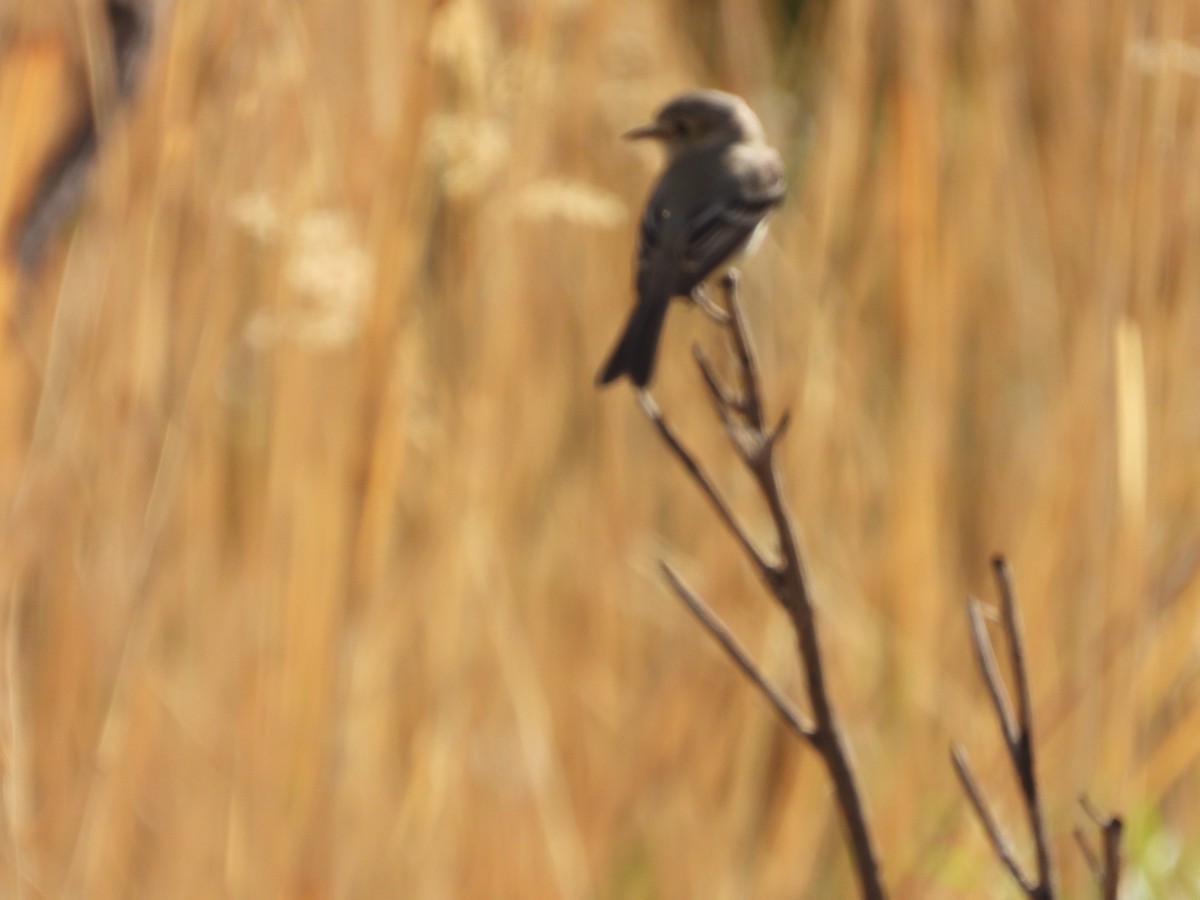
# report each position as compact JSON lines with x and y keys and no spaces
{"x":794,"y":594}
{"x":1022,"y":750}
{"x":742,"y":416}
{"x":768,"y":570}
{"x":1000,"y":845}
{"x":1017,"y":730}
{"x":1108,"y":870}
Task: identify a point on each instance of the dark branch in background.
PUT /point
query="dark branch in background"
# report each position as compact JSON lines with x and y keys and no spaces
{"x":741,"y":414}
{"x":1107,"y":870}
{"x":60,"y":183}
{"x":1017,"y":730}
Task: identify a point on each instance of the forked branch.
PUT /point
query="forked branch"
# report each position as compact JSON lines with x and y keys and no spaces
{"x":1017,"y":731}
{"x":740,"y":411}
{"x":1016,"y":728}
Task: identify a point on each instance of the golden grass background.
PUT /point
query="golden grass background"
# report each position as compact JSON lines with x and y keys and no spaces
{"x":325,"y":571}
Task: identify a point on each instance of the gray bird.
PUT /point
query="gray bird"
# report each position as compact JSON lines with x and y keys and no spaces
{"x":707,"y":210}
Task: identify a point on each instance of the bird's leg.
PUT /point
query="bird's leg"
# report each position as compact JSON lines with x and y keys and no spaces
{"x":707,"y":306}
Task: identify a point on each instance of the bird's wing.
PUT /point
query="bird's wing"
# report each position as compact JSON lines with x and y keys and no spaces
{"x":716,"y":233}
{"x":679,"y":248}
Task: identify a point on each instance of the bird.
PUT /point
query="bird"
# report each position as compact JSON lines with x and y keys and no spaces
{"x":707,"y":209}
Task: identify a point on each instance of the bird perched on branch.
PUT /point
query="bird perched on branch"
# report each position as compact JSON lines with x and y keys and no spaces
{"x":707,"y":210}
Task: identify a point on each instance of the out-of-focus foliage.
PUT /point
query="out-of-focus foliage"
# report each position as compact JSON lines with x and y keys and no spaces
{"x":325,"y":571}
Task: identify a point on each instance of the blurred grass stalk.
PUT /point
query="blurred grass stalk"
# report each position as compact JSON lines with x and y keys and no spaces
{"x":326,"y":573}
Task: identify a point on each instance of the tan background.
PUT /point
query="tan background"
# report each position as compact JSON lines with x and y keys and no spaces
{"x":325,"y":572}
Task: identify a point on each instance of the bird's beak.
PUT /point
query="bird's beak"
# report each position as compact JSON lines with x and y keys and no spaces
{"x":651,"y":130}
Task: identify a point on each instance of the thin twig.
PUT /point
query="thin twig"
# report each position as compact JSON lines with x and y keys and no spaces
{"x":724,"y":404}
{"x":1022,"y":750}
{"x":776,"y":434}
{"x":721,"y":633}
{"x":1016,"y":644}
{"x":717,"y":389}
{"x":705,"y":303}
{"x":747,"y":361}
{"x":1000,"y":844}
{"x":985,"y":658}
{"x":1089,"y":856}
{"x":768,"y":570}
{"x":1018,"y":734}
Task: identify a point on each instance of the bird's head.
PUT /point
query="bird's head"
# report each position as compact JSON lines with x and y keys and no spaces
{"x":700,"y":119}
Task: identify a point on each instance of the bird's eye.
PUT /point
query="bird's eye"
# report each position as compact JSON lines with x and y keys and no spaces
{"x":682,"y":128}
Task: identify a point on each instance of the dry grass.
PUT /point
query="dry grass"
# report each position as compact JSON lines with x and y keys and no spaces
{"x":326,"y":572}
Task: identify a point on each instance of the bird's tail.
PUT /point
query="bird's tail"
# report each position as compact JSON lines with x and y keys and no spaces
{"x":635,"y":351}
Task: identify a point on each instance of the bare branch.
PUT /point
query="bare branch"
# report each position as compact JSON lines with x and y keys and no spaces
{"x":742,"y":417}
{"x":1022,"y":749}
{"x":1089,"y":856}
{"x":768,"y":570}
{"x":708,"y":307}
{"x":744,"y":346}
{"x":780,"y":429}
{"x":1108,"y":873}
{"x":1016,"y":645}
{"x":725,"y":406}
{"x":1018,"y":733}
{"x":1000,"y":844}
{"x":985,"y":658}
{"x":723,"y":636}
{"x":723,"y":399}
{"x":1112,"y":857}
{"x":792,"y":591}
{"x":1099,"y":820}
